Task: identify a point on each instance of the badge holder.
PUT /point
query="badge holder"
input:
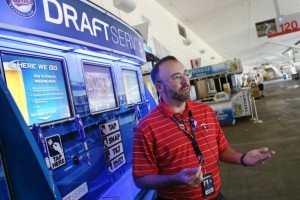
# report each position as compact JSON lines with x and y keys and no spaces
{"x":207,"y":184}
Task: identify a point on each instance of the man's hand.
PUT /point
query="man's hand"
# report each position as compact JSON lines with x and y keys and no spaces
{"x":190,"y":176}
{"x":257,"y":156}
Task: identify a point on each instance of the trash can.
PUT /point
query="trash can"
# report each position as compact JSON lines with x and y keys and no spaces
{"x":284,"y":76}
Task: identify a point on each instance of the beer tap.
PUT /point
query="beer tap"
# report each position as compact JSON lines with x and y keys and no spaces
{"x":81,"y":132}
{"x":137,"y":112}
{"x":39,"y":138}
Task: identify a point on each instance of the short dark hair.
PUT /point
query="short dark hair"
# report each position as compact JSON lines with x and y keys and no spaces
{"x":155,"y":69}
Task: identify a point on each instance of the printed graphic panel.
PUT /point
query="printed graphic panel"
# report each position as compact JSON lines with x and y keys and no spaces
{"x":56,"y":152}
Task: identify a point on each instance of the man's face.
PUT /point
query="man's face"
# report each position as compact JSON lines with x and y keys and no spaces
{"x":174,"y":81}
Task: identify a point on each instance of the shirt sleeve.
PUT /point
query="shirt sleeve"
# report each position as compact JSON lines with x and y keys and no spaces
{"x":222,"y":141}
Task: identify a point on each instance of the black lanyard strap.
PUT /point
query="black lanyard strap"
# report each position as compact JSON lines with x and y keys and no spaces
{"x":191,"y":136}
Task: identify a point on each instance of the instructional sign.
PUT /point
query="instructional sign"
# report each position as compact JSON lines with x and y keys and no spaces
{"x":116,"y":163}
{"x":38,"y":87}
{"x":113,"y":152}
{"x":112,"y":139}
{"x":109,"y":127}
{"x":113,"y":147}
{"x":56,"y":152}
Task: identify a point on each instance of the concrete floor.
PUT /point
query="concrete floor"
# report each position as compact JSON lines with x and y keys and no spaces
{"x":279,"y":178}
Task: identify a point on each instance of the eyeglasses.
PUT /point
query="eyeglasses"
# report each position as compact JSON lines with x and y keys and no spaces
{"x":178,"y":77}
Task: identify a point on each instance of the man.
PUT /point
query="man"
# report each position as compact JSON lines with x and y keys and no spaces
{"x":178,"y":145}
{"x":260,"y":83}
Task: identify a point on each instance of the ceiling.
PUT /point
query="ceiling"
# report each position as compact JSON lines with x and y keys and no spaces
{"x":228,"y":26}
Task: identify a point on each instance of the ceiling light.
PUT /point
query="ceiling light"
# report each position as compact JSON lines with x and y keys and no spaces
{"x":187,"y":42}
{"x":202,"y":51}
{"x":125,"y":5}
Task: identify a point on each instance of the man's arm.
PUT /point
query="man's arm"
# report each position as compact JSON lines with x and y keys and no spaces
{"x":251,"y":158}
{"x":230,"y":155}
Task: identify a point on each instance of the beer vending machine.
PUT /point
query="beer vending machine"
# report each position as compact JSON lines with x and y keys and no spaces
{"x":71,"y":94}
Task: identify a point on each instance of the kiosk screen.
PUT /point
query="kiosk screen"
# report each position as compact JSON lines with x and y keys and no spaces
{"x":100,"y":87}
{"x":131,"y":85}
{"x":38,"y":87}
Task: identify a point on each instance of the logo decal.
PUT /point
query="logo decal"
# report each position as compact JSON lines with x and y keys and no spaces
{"x":56,"y":152}
{"x":23,"y":8}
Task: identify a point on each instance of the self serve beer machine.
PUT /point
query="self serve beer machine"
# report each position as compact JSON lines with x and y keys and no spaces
{"x":71,"y":94}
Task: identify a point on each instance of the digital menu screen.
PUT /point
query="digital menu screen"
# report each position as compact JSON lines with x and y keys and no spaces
{"x":131,"y":85}
{"x":100,"y":87}
{"x":38,"y":87}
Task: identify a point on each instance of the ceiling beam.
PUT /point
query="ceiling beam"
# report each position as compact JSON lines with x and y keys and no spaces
{"x":283,"y":57}
{"x":284,"y":44}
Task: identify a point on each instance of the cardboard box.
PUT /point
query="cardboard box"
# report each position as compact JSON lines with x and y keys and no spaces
{"x":254,"y":91}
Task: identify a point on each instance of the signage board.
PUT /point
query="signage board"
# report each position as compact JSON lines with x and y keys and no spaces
{"x":111,"y":140}
{"x":224,"y":112}
{"x":109,"y":128}
{"x":266,"y":28}
{"x":79,"y":22}
{"x":229,"y":66}
{"x":113,"y":147}
{"x":116,"y":163}
{"x":241,"y":103}
{"x":56,"y":152}
{"x":113,"y":152}
{"x":287,"y":24}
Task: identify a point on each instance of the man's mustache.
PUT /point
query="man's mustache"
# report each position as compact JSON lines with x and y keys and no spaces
{"x":184,"y":86}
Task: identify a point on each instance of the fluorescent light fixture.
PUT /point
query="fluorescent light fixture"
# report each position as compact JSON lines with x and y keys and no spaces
{"x":129,"y":62}
{"x":35,"y":42}
{"x":91,"y":53}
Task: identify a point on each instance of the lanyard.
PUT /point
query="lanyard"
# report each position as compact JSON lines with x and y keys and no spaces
{"x":190,"y":136}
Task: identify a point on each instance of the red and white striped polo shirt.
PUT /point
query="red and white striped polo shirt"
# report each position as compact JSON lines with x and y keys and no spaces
{"x":160,"y":147}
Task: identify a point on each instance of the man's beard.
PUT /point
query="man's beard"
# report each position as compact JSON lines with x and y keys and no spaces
{"x":177,"y":95}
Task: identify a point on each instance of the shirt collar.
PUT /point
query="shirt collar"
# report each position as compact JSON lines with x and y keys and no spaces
{"x":169,"y":112}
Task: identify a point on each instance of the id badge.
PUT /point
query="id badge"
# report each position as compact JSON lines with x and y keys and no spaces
{"x":207,"y":185}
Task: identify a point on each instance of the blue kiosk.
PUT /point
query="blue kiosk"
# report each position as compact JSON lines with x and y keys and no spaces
{"x":71,"y":94}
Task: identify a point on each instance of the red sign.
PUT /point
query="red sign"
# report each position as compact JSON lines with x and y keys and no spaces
{"x":287,"y":24}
